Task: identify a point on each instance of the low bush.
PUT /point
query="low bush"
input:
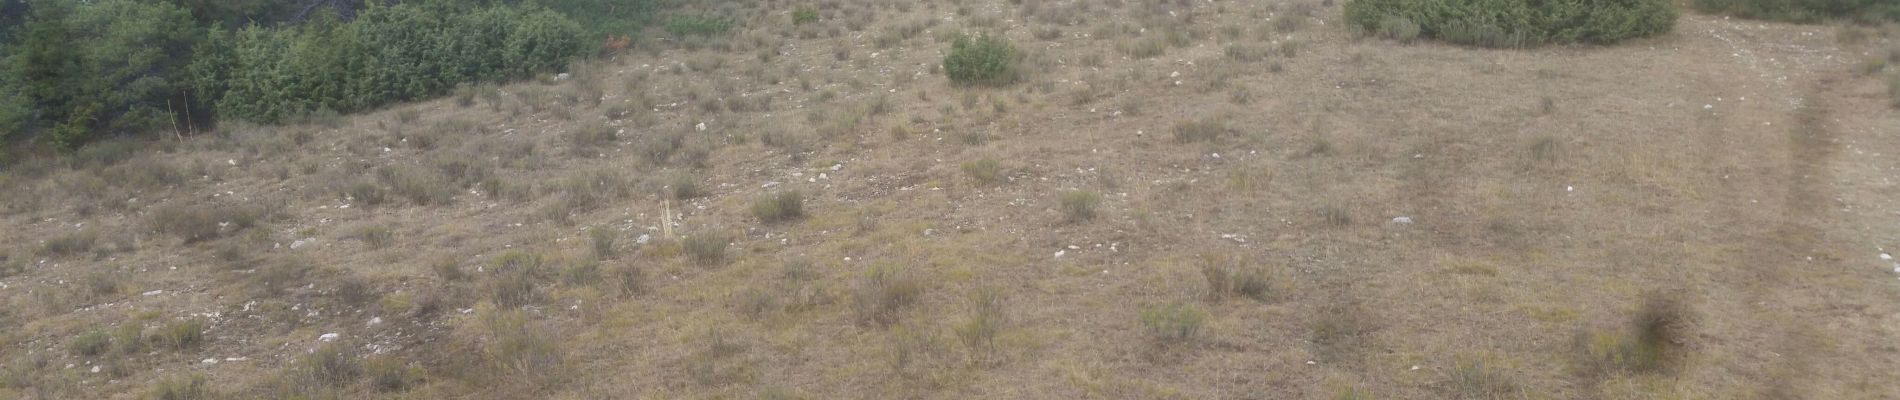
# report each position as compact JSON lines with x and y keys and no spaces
{"x":985,"y":171}
{"x":982,"y":60}
{"x":1513,"y":23}
{"x":697,"y":25}
{"x":705,"y":248}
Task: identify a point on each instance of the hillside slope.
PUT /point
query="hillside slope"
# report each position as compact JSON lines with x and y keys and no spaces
{"x":1349,"y":215}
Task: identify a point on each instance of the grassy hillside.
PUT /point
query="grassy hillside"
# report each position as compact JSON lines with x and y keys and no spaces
{"x":868,"y":199}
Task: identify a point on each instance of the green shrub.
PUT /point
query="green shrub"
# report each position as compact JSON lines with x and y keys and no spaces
{"x":1804,"y":10}
{"x":1173,"y":323}
{"x":1514,"y":23}
{"x":180,"y":334}
{"x":982,"y":60}
{"x":779,"y":207}
{"x":985,"y":171}
{"x":603,"y":241}
{"x":189,"y":387}
{"x":91,"y":343}
{"x":1224,"y":279}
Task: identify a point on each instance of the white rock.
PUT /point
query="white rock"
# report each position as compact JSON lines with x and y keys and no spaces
{"x":210,"y":361}
{"x":1885,"y":256}
{"x":1061,"y":253}
{"x":700,"y":127}
{"x":643,"y":239}
{"x":95,"y":369}
{"x":1311,"y":362}
{"x":1176,"y":74}
{"x":302,"y":242}
{"x":373,"y":321}
{"x":154,"y":293}
{"x":1402,"y":220}
{"x":328,"y":337}
{"x":561,"y":77}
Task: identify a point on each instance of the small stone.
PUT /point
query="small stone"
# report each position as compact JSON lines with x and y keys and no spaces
{"x":1885,"y":256}
{"x":701,"y":127}
{"x":328,"y":337}
{"x":643,"y":239}
{"x":561,"y":77}
{"x":154,"y":293}
{"x":1402,"y":220}
{"x":1415,"y":368}
{"x":373,"y":321}
{"x":1061,"y":253}
{"x":95,"y":369}
{"x":1311,"y":362}
{"x":302,"y":242}
{"x":210,"y":361}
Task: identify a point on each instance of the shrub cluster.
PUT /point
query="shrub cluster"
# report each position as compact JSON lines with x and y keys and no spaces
{"x":981,"y":60}
{"x":1513,"y":23}
{"x":73,"y":70}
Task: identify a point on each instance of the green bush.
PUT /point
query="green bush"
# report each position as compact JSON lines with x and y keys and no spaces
{"x":1804,"y":10}
{"x":1174,"y":323}
{"x":690,"y":25}
{"x":779,"y":207}
{"x":1513,"y":23}
{"x":121,"y":80}
{"x":982,"y":60}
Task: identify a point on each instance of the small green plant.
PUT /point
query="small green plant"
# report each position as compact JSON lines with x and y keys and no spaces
{"x":982,"y":60}
{"x":516,"y":274}
{"x":705,"y":248}
{"x":804,"y":15}
{"x":1173,"y":323}
{"x":366,"y":193}
{"x":1651,"y":343}
{"x":376,"y":237}
{"x":985,"y":171}
{"x":685,"y":187}
{"x":779,"y":207}
{"x":883,"y":293}
{"x":324,"y":370}
{"x":1079,"y":205}
{"x":1475,"y":378}
{"x":517,"y":345}
{"x":71,"y":243}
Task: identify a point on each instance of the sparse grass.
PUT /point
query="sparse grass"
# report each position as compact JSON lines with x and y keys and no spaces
{"x":982,"y":60}
{"x":376,"y":237}
{"x":602,"y":238}
{"x":366,"y":193}
{"x":779,"y":207}
{"x":587,"y":140}
{"x":985,"y":171}
{"x":90,"y":344}
{"x":1079,"y":205}
{"x":325,"y":371}
{"x":421,"y":186}
{"x":389,"y":374}
{"x":720,"y":361}
{"x":180,"y":334}
{"x":1475,"y":378}
{"x":70,"y":243}
{"x":881,"y":295}
{"x":516,"y":275}
{"x":1224,"y":278}
{"x":705,"y":248}
{"x":1173,"y":323}
{"x":697,"y":25}
{"x":517,"y":345}
{"x":1651,"y":343}
{"x":804,"y":15}
{"x":1339,"y":326}
{"x":187,"y":387}
{"x":985,"y":321}
{"x":1207,"y":130}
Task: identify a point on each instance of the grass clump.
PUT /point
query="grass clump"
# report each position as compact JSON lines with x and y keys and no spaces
{"x":779,"y":207}
{"x":388,"y":374}
{"x":1199,"y":131}
{"x":602,"y":238}
{"x":986,"y":171}
{"x":180,"y":334}
{"x":91,"y":343}
{"x":982,"y":60}
{"x":1225,"y":279}
{"x":1513,"y":23}
{"x":884,"y":292}
{"x":1174,"y":323}
{"x":705,"y":248}
{"x":1079,"y":205}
